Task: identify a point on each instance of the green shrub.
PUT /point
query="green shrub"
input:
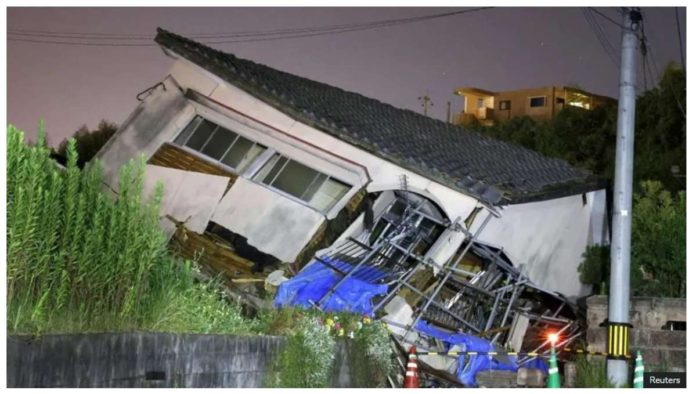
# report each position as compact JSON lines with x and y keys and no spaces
{"x":372,"y":360}
{"x":307,"y":359}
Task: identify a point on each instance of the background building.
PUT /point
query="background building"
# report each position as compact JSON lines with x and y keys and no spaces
{"x":543,"y":103}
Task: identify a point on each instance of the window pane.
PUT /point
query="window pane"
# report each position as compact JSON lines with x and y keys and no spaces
{"x":328,"y":195}
{"x":314,"y":186}
{"x":270,"y":169}
{"x":236,"y":154}
{"x":219,"y":143}
{"x":201,"y":135}
{"x":537,"y":101}
{"x":295,"y":178}
{"x":250,"y":156}
{"x":188,"y":130}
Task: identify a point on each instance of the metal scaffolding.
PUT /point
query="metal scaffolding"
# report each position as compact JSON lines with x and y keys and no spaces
{"x":485,"y":300}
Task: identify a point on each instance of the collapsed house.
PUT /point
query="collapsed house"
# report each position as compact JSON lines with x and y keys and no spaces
{"x":264,"y":170}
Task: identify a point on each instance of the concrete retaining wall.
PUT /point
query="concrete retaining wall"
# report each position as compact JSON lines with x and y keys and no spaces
{"x":142,"y":359}
{"x":663,"y":347}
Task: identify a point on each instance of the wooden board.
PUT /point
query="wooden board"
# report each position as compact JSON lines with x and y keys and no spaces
{"x":172,"y":156}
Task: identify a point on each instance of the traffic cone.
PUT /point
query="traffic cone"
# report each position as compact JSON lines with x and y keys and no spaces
{"x":638,"y":373}
{"x":411,"y":378}
{"x":554,"y":380}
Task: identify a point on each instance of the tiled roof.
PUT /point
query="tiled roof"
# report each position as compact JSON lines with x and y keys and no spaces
{"x":491,"y":170}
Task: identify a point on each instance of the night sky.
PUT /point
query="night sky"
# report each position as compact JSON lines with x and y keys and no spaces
{"x":494,"y":49}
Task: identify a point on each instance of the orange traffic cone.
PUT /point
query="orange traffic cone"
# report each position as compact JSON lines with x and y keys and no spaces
{"x":411,"y":378}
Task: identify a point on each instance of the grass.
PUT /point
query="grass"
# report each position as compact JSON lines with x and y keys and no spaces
{"x":80,"y":260}
{"x":592,"y":373}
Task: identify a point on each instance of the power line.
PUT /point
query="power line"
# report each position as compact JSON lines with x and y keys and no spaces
{"x":96,"y":44}
{"x":681,"y":44}
{"x":57,"y":37}
{"x":654,"y":64}
{"x":644,"y":53}
{"x":601,"y":36}
{"x":606,"y":17}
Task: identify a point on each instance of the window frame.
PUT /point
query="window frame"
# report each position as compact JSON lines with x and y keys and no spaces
{"x":269,"y":185}
{"x":530,"y":98}
{"x":199,"y":153}
{"x":273,"y":145}
{"x":500,"y":105}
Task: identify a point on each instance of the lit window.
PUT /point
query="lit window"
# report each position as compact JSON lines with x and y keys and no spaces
{"x":535,"y":102}
{"x":504,"y":105}
{"x":296,"y":179}
{"x":219,"y":144}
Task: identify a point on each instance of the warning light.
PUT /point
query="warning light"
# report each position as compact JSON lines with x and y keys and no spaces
{"x":553,"y":338}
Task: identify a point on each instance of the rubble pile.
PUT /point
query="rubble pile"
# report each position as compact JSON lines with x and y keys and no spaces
{"x":478,"y":302}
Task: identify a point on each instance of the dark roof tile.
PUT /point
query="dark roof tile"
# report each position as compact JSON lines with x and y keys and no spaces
{"x":480,"y":166}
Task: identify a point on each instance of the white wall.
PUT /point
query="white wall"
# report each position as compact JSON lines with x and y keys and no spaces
{"x":189,"y":197}
{"x":157,"y":119}
{"x":549,"y":238}
{"x":271,"y":223}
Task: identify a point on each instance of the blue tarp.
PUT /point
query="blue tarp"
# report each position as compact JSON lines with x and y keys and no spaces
{"x":469,"y":366}
{"x":315,"y":280}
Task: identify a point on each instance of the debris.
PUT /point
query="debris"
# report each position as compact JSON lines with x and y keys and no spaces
{"x":477,"y":300}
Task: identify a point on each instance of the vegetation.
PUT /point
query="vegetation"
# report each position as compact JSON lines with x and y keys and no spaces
{"x":87,"y":142}
{"x":308,"y":357}
{"x":658,"y":246}
{"x":592,"y":373}
{"x":587,"y":139}
{"x":79,"y":260}
{"x":314,"y":337}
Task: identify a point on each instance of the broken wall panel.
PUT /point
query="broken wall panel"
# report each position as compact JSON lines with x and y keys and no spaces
{"x":549,"y":238}
{"x":271,"y":222}
{"x":162,"y":113}
{"x":189,"y":197}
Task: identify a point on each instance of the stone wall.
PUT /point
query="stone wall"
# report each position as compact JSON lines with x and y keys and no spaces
{"x":141,"y":359}
{"x":662,"y":343}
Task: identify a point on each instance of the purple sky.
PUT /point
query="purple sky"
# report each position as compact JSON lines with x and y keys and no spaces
{"x":495,"y":49}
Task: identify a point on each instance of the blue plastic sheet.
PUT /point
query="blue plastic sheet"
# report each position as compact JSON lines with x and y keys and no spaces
{"x":314,"y":281}
{"x":469,"y":366}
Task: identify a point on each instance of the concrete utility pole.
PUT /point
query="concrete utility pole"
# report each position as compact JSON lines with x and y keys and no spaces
{"x":449,"y":112}
{"x":425,"y":103}
{"x":620,"y":281}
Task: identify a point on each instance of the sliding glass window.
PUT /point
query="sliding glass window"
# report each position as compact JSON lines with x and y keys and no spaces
{"x":219,"y":144}
{"x":319,"y":190}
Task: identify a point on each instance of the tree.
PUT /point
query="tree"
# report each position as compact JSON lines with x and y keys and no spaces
{"x":658,"y":251}
{"x":658,"y":246}
{"x":587,"y":139}
{"x":88,"y":142}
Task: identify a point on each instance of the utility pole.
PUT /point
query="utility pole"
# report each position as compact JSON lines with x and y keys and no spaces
{"x":449,"y":112}
{"x":425,"y":103}
{"x":620,"y":281}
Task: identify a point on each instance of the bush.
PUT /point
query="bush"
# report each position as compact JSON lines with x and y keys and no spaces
{"x":308,"y":357}
{"x":595,"y":267}
{"x":658,"y":250}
